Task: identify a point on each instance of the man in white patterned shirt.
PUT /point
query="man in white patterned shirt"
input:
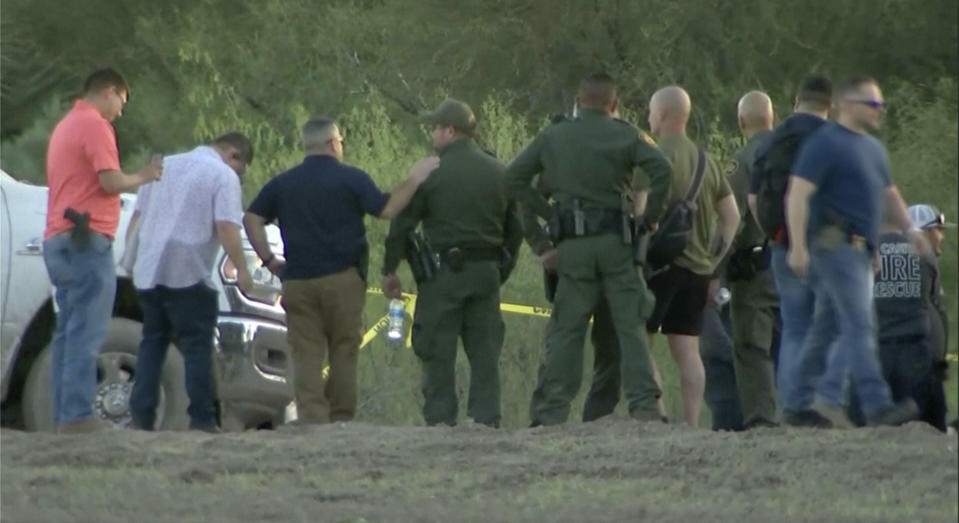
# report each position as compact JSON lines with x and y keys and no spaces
{"x":182,"y":222}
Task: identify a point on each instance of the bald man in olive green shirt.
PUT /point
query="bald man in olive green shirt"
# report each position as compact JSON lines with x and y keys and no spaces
{"x":682,"y":287}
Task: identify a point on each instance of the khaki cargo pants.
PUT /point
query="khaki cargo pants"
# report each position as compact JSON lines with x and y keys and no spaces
{"x":324,"y":316}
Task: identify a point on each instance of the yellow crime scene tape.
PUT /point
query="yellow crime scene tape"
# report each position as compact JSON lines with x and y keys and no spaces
{"x":409,"y":304}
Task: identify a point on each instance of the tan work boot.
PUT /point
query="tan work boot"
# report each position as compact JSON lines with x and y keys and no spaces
{"x":835,"y":415}
{"x":86,"y":426}
{"x":901,"y":412}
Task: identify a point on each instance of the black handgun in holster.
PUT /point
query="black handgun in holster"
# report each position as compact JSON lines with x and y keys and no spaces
{"x":550,"y":282}
{"x":640,"y":241}
{"x":81,"y":227}
{"x":554,"y":226}
{"x":424,"y":263}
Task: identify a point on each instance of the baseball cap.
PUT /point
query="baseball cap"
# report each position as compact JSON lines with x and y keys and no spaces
{"x":926,"y":216}
{"x":455,"y":114}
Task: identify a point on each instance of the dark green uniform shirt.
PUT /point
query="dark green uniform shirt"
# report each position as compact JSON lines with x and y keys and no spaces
{"x":593,"y":158}
{"x":462,"y":204}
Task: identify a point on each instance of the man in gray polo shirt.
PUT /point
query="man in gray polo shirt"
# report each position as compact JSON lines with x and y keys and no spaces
{"x":183,"y":221}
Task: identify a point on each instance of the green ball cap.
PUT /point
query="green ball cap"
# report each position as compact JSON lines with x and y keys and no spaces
{"x":452,"y":113}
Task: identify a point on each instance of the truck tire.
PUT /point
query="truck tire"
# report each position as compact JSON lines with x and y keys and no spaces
{"x":116,"y":367}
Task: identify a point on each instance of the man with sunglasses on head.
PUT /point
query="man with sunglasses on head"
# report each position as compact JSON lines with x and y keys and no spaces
{"x":840,"y":184}
{"x":319,"y":206}
{"x":83,"y":212}
{"x":180,"y":224}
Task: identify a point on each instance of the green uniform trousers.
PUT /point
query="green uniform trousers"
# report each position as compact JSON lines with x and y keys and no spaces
{"x":753,"y":319}
{"x":324,"y":316}
{"x":590,"y":269}
{"x":604,"y":391}
{"x":460,"y":304}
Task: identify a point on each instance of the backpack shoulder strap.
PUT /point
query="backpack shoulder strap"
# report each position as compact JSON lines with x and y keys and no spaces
{"x":697,"y":184}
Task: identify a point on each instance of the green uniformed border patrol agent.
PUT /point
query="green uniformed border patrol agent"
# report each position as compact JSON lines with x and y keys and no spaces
{"x":476,"y":233}
{"x":754,"y":298}
{"x":604,"y":392}
{"x":590,"y":164}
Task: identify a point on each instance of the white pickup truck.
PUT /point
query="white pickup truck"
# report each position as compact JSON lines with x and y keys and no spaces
{"x":252,"y":358}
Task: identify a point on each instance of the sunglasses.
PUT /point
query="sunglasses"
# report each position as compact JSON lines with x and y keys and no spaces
{"x":875,"y":104}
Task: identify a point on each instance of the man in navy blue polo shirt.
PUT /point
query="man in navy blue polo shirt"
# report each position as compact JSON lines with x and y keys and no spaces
{"x":319,"y":206}
{"x":774,"y":159}
{"x":839,"y":187}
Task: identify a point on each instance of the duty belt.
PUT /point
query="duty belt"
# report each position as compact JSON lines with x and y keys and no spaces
{"x":594,"y":222}
{"x":456,"y":257}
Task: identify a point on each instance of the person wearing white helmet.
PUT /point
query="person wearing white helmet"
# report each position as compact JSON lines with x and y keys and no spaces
{"x":907,"y":298}
{"x":933,"y":224}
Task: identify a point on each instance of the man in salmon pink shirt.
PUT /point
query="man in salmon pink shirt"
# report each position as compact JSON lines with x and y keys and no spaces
{"x":83,"y":211}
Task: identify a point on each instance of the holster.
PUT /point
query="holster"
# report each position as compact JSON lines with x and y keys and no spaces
{"x":745,"y":263}
{"x":550,"y":282}
{"x":640,"y":242}
{"x":554,"y":227}
{"x":423,"y":260}
{"x":80,"y":234}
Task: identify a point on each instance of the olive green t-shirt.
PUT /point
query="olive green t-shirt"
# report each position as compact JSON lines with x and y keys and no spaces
{"x":682,"y":154}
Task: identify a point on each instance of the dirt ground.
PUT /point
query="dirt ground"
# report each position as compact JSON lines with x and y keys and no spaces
{"x":611,"y":470}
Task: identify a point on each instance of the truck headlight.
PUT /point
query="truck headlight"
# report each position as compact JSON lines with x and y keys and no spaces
{"x":267,"y":288}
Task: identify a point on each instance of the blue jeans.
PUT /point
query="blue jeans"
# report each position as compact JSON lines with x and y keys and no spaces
{"x":187,"y":317}
{"x":844,"y":279}
{"x":85,"y":281}
{"x":796,"y":302}
{"x":819,"y":347}
{"x":716,"y":349}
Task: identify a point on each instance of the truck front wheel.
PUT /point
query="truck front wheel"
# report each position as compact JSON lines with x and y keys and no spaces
{"x":116,"y":372}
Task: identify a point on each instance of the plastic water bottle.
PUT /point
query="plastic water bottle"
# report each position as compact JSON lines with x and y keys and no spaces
{"x":396,"y":315}
{"x":722,"y":296}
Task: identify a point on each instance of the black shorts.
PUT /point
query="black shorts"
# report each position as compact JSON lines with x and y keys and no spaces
{"x":680,"y":301}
